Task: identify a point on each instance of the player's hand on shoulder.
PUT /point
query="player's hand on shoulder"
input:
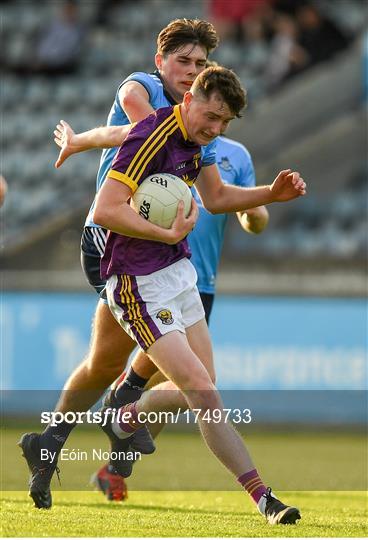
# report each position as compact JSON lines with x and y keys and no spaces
{"x":287,"y":185}
{"x":182,"y":225}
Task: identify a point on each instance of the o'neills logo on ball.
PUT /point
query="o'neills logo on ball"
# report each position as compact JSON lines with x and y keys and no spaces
{"x":145,"y":209}
{"x":165,"y":316}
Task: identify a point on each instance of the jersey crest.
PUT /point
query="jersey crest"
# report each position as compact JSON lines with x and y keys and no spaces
{"x":225,"y":164}
{"x":165,"y":316}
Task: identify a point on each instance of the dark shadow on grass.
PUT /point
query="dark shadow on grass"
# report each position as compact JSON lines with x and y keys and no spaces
{"x":126,"y":506}
{"x":119,"y":507}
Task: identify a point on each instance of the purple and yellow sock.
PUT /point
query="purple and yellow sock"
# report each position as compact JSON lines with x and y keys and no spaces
{"x":252,"y":483}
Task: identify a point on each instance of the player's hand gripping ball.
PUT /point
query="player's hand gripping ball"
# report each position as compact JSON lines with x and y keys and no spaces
{"x":158,"y":196}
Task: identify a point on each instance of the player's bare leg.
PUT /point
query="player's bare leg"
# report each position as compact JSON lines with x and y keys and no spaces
{"x":128,"y":390}
{"x":109,"y":352}
{"x":199,"y":341}
{"x":110,"y":349}
{"x":190,"y":383}
{"x":107,"y":479}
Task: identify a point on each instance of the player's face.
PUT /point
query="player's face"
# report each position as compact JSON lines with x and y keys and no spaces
{"x":205,"y":119}
{"x":180,"y":68}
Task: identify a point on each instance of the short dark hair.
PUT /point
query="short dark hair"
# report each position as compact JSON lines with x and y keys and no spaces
{"x":181,"y":32}
{"x":222,"y":81}
{"x":211,"y":63}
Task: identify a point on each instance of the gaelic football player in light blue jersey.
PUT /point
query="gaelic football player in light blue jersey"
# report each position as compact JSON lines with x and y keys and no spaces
{"x":206,"y":241}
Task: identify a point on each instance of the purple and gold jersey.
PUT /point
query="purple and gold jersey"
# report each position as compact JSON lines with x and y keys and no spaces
{"x":157,"y":144}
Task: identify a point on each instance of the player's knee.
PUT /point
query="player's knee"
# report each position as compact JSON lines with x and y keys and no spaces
{"x":212,"y":375}
{"x":105,"y":367}
{"x":204,"y":399}
{"x":199,"y":388}
{"x":208,"y":381}
{"x":104,"y":377}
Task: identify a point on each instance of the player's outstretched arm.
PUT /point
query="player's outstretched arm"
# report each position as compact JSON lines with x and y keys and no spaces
{"x":101,"y":137}
{"x":113,"y":212}
{"x":219,"y":198}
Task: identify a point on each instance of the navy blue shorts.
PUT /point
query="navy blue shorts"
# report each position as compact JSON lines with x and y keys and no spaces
{"x":92,"y":248}
{"x":207,"y":301}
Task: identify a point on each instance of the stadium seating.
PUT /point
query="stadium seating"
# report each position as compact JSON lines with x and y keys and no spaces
{"x":307,"y":118}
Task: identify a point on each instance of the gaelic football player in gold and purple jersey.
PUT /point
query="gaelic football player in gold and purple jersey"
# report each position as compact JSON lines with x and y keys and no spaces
{"x":148,"y":271}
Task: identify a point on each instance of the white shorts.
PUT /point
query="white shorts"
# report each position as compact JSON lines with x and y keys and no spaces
{"x":147,"y":307}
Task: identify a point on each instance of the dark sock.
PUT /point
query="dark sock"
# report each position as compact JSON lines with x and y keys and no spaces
{"x":130,"y":389}
{"x":54,"y":437}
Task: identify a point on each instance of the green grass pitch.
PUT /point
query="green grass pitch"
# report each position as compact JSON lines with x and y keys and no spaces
{"x":188,"y":514}
{"x":169,"y":509}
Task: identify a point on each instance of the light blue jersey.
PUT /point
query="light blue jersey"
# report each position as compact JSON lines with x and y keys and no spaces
{"x":157,"y":98}
{"x":236,"y":168}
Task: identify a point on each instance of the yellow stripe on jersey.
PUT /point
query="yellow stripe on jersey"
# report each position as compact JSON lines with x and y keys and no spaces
{"x":151,"y":150}
{"x":180,"y":122}
{"x":122,"y":177}
{"x":154,"y":152}
{"x":154,"y":134}
{"x":187,"y":180}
